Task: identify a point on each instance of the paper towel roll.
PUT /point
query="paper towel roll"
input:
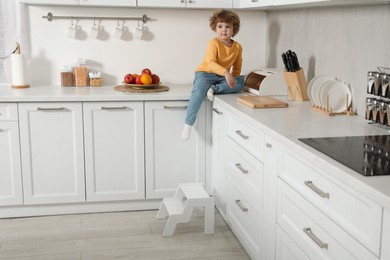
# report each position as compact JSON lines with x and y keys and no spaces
{"x":19,"y":71}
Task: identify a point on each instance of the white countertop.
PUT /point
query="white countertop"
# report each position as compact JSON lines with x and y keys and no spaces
{"x":103,"y":93}
{"x":300,"y":120}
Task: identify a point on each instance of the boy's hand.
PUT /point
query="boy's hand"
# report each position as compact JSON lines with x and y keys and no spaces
{"x":230,"y":79}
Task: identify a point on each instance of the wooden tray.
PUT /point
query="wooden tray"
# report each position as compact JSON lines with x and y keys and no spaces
{"x":261,"y":102}
{"x":130,"y":89}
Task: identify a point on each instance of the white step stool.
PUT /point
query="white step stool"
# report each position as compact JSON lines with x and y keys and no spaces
{"x":189,"y":196}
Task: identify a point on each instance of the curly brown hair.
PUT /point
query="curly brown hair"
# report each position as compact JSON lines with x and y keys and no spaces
{"x":225,"y":16}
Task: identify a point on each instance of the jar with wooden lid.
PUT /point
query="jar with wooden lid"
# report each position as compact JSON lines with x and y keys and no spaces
{"x":66,"y":76}
{"x":80,"y":73}
{"x":95,"y":79}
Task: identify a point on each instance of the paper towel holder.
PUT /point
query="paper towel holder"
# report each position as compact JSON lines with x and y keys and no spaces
{"x":19,"y":69}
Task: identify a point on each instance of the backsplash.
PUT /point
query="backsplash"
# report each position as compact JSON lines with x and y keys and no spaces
{"x":172,"y":46}
{"x":342,"y":42}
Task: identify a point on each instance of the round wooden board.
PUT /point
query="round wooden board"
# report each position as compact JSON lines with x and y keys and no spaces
{"x":130,"y":89}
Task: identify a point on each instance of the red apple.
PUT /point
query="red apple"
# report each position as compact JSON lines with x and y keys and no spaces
{"x":147,"y":71}
{"x":129,"y":79}
{"x":138,"y":80}
{"x":155,"y":79}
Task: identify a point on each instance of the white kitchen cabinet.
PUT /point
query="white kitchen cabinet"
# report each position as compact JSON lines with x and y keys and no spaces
{"x":317,"y":235}
{"x":114,"y":150}
{"x":255,"y":3}
{"x":81,"y":2}
{"x":219,"y":150}
{"x":186,"y":3}
{"x":385,"y":254}
{"x":11,"y":192}
{"x":169,"y":160}
{"x":358,"y":215}
{"x":52,"y":154}
{"x":245,"y":194}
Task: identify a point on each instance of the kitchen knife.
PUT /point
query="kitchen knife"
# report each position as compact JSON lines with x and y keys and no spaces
{"x":295,"y":61}
{"x":284,"y":58}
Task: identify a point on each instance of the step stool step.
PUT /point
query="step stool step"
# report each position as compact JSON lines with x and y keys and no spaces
{"x":194,"y":191}
{"x":174,"y":206}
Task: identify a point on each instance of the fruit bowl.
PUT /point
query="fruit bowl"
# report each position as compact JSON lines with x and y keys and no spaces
{"x":141,"y":85}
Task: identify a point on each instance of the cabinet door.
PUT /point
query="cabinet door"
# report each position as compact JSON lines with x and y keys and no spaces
{"x":219,"y":150}
{"x":256,"y":3}
{"x":51,"y":139}
{"x":50,"y":2}
{"x":161,"y":3}
{"x":385,"y":254}
{"x":10,"y":168}
{"x":187,"y":3}
{"x":169,"y":159}
{"x":108,"y":2}
{"x":114,"y":150}
{"x":209,"y":4}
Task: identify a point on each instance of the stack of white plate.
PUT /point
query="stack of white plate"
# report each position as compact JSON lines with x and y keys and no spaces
{"x":322,"y":87}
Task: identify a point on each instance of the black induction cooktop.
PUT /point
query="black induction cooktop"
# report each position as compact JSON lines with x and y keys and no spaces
{"x":368,"y":155}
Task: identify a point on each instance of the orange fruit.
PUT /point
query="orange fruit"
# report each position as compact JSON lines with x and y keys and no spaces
{"x":135,"y":75}
{"x":146,"y":79}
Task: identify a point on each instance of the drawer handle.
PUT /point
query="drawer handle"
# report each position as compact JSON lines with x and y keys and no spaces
{"x":175,"y":107}
{"x":113,"y":108}
{"x":316,"y":189}
{"x":268,"y":145}
{"x":217,"y":111}
{"x":239,"y":204}
{"x":241,"y":134}
{"x":238,"y":165}
{"x":51,"y":108}
{"x":315,"y":238}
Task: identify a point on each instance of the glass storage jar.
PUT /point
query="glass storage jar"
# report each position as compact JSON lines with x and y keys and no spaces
{"x":95,"y":79}
{"x":80,"y":73}
{"x":66,"y":76}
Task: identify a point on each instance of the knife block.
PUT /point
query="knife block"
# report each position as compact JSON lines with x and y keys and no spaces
{"x":296,"y":85}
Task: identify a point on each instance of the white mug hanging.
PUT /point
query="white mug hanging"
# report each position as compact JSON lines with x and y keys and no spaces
{"x":139,"y":31}
{"x":118,"y":33}
{"x":72,"y":30}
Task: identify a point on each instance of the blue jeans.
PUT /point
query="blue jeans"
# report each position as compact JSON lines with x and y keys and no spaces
{"x":202,"y":82}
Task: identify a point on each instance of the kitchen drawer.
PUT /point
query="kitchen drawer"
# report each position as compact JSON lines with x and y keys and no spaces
{"x":250,"y":139}
{"x":355,"y":213}
{"x":8,"y":111}
{"x":316,"y":234}
{"x":246,"y":170}
{"x":245,"y":220}
{"x":286,"y":248}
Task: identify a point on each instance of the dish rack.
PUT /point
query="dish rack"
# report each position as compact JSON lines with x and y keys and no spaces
{"x":328,"y":109}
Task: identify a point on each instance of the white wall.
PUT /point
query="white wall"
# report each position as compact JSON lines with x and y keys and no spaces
{"x":173,"y":47}
{"x":343,"y":42}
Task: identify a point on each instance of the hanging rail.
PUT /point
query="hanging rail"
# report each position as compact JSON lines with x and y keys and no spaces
{"x":50,"y":17}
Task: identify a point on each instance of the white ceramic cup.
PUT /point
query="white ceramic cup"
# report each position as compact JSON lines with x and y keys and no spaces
{"x":72,"y":31}
{"x":138,"y":32}
{"x":118,"y":33}
{"x":95,"y":30}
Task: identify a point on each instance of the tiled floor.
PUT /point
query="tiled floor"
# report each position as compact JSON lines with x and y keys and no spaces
{"x":122,"y":235}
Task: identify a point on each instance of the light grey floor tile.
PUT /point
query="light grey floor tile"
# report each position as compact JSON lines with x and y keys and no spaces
{"x":119,"y":235}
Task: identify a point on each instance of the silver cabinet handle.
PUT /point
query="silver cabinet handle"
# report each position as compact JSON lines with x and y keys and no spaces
{"x":239,"y":204}
{"x":244,"y":171}
{"x":241,"y":134}
{"x":313,"y":237}
{"x":217,"y":111}
{"x":51,"y":108}
{"x":175,"y":107}
{"x":317,"y":190}
{"x":113,"y":108}
{"x":254,"y":1}
{"x":268,"y":145}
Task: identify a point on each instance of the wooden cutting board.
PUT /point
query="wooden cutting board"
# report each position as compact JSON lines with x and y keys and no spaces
{"x":261,"y":102}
